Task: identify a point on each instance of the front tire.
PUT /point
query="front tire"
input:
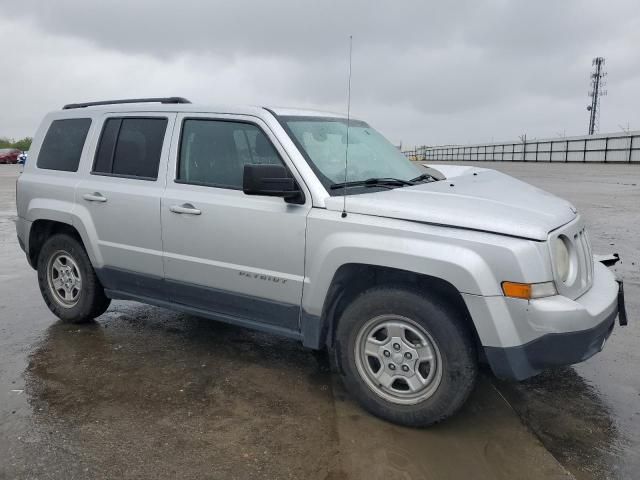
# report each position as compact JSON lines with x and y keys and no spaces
{"x":67,"y":281}
{"x":405,"y":357}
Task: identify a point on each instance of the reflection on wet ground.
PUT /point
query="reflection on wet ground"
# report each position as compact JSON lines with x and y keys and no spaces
{"x":571,"y":419}
{"x":146,"y":384}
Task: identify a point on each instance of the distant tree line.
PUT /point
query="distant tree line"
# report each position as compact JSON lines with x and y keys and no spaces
{"x":23,"y":144}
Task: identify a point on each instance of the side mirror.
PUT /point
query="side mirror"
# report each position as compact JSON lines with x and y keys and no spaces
{"x":270,"y":181}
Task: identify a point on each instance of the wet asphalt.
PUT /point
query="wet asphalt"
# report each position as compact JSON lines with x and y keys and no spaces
{"x":148,"y":393}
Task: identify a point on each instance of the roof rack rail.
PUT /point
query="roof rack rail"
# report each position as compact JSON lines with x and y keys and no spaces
{"x":127,"y":100}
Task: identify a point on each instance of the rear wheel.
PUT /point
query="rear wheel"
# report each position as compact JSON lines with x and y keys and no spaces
{"x":68,"y":282}
{"x":405,"y":357}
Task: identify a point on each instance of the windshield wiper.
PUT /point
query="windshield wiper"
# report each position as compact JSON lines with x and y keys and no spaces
{"x":424,"y":176}
{"x":373,"y":182}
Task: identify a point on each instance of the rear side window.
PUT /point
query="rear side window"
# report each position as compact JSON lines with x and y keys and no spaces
{"x":63,"y":144}
{"x":130,"y":147}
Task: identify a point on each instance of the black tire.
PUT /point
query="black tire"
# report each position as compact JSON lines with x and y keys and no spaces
{"x":445,"y":327}
{"x":91,"y":300}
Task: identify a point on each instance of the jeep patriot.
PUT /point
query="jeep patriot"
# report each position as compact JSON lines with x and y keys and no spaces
{"x":313,"y":226}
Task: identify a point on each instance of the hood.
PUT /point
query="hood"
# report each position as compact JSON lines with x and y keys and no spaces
{"x":470,"y":198}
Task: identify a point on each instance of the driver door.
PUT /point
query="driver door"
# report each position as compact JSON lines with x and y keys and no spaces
{"x":238,"y":256}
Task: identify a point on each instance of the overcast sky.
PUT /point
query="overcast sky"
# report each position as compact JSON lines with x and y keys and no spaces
{"x":424,"y":72}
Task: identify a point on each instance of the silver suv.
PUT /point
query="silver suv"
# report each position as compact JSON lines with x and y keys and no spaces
{"x":313,"y":226}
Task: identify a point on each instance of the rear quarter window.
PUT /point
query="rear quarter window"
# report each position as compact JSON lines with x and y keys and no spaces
{"x":62,"y":145}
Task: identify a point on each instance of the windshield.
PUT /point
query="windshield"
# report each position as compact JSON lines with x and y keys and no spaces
{"x":323,"y":141}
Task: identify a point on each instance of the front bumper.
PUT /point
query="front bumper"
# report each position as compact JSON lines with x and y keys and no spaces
{"x":551,"y":350}
{"x":568,"y":331}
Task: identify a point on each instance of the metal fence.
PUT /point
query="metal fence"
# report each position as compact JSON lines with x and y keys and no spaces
{"x":611,"y":148}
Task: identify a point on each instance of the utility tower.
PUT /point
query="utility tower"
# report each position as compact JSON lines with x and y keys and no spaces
{"x":598,"y":82}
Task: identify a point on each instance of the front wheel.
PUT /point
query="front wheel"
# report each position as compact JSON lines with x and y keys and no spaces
{"x":405,"y":357}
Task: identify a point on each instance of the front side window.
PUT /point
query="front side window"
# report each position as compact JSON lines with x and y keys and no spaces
{"x":214,"y":152}
{"x":323,"y":141}
{"x":62,"y":145}
{"x":130,"y":147}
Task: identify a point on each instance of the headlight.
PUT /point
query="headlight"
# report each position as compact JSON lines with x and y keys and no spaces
{"x":561,"y":257}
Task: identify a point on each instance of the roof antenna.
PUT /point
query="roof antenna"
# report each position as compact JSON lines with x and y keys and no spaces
{"x":346,"y":150}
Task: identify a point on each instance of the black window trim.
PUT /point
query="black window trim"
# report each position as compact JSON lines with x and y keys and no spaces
{"x":120,"y":175}
{"x":215,"y":185}
{"x":84,"y":144}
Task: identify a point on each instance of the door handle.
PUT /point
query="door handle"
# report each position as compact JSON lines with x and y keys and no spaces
{"x":94,"y":197}
{"x":185,"y":208}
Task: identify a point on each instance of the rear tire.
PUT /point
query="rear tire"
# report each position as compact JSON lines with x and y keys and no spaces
{"x":68,"y":282}
{"x":405,"y":357}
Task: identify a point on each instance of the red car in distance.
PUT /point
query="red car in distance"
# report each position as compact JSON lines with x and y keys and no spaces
{"x":9,"y":155}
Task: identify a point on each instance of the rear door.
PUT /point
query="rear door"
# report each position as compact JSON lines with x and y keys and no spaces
{"x":237,"y":255}
{"x":120,"y":195}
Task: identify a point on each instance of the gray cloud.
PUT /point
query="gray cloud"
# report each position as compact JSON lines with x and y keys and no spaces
{"x":287,"y":28}
{"x":424,"y":72}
